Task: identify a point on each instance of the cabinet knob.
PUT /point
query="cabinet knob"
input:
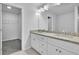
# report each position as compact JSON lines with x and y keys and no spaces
{"x":56,"y":49}
{"x":33,"y":39}
{"x":60,"y":51}
{"x":42,"y":44}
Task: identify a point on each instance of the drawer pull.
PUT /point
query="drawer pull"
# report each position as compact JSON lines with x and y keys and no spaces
{"x":42,"y":44}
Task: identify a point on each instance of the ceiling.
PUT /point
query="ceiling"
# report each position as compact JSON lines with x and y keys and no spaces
{"x":13,"y":10}
{"x":61,"y":9}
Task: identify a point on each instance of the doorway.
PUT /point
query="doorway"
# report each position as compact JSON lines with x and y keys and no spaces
{"x":11,"y":29}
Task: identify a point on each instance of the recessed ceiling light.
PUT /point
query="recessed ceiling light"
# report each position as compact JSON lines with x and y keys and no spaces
{"x":9,"y":7}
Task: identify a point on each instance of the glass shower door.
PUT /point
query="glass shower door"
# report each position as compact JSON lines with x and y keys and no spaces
{"x":0,"y":29}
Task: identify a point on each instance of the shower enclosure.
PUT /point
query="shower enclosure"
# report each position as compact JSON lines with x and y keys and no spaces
{"x":10,"y":29}
{"x":0,"y":29}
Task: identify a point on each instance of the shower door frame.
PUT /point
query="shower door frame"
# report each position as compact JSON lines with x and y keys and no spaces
{"x":1,"y":29}
{"x":20,"y":21}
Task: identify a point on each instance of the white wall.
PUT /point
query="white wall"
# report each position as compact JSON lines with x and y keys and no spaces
{"x":43,"y":21}
{"x":29,"y":22}
{"x":28,"y":16}
{"x":65,"y":22}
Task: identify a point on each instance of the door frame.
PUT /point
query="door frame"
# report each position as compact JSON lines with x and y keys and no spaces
{"x":21,"y":17}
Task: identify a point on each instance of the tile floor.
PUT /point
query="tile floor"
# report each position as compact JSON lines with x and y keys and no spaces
{"x":26,"y":52}
{"x":11,"y":46}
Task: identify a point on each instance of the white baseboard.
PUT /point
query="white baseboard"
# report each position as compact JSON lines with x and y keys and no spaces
{"x":26,"y":48}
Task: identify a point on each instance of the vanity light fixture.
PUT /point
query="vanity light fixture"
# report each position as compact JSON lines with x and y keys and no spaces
{"x":9,"y":7}
{"x":37,"y":13}
{"x":46,"y":7}
{"x":42,"y":9}
{"x":57,"y":4}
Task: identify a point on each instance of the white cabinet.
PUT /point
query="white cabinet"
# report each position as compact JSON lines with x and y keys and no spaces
{"x":43,"y":48}
{"x":38,"y":44}
{"x":64,"y":52}
{"x":52,"y":50}
{"x":34,"y":42}
{"x":52,"y":46}
{"x":74,"y":48}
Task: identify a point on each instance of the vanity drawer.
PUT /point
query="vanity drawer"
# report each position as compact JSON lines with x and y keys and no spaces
{"x":64,"y":52}
{"x":42,"y":48}
{"x":35,"y":42}
{"x":43,"y":52}
{"x":42,"y":38}
{"x":34,"y":36}
{"x":65,"y":45}
{"x":54,"y":50}
{"x":43,"y":45}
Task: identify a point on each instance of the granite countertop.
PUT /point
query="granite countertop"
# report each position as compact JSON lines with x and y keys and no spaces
{"x":70,"y":38}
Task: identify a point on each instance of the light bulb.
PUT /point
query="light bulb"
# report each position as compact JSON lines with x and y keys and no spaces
{"x":42,"y":9}
{"x":37,"y":13}
{"x":58,"y":3}
{"x":9,"y":7}
{"x":46,"y":7}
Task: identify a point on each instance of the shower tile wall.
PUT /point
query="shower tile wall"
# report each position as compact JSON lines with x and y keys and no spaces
{"x":10,"y":26}
{"x":11,"y":29}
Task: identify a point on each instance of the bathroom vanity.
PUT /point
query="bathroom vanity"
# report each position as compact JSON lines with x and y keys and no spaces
{"x":65,"y":18}
{"x":47,"y":43}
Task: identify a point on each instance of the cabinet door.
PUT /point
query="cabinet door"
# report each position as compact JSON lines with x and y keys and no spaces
{"x":35,"y":42}
{"x":64,"y":52}
{"x":69,"y":46}
{"x":43,"y":48}
{"x":52,"y":50}
{"x":43,"y":38}
{"x":43,"y":52}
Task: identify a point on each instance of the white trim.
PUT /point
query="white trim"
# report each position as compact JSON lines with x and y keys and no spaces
{"x":76,"y":18}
